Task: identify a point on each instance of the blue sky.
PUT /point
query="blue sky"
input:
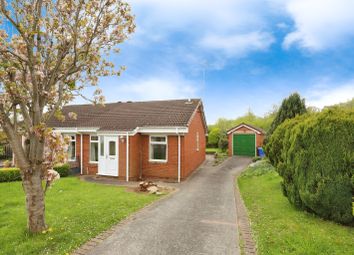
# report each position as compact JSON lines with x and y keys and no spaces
{"x":237,"y":54}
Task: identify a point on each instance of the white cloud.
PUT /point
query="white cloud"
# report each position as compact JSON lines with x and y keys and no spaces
{"x":171,"y":86}
{"x":238,"y":45}
{"x":320,"y":24}
{"x":326,"y":94}
{"x":228,"y":24}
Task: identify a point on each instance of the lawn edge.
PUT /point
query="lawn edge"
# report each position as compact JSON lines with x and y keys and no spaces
{"x":95,"y":241}
{"x":246,"y":237}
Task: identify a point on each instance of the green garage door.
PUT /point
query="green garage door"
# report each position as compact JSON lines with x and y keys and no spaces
{"x":244,"y":144}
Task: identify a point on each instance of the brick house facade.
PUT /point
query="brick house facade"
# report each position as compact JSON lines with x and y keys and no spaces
{"x":141,"y":140}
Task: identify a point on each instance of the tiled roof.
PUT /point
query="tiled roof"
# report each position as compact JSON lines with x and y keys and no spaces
{"x":129,"y":115}
{"x":247,"y":125}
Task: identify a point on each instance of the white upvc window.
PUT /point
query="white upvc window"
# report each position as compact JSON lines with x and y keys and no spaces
{"x":72,"y":147}
{"x":158,"y":148}
{"x":94,"y":148}
{"x":197,"y":141}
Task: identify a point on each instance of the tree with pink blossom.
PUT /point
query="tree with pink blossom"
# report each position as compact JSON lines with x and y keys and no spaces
{"x":57,"y":49}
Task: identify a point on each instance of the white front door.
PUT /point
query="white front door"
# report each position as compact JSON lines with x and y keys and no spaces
{"x":108,"y":159}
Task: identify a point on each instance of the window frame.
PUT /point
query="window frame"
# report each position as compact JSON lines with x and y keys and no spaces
{"x":161,"y":143}
{"x":70,"y":141}
{"x":98,"y":149}
{"x":197,"y":141}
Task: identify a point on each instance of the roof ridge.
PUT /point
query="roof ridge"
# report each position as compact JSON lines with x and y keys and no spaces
{"x":133,"y":102}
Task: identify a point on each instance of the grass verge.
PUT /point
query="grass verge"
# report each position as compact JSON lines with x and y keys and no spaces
{"x":76,"y":211}
{"x":280,"y":228}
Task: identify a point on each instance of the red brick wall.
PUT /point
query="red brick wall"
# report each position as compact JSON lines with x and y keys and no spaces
{"x":192,"y":158}
{"x":135,"y":156}
{"x":122,"y":158}
{"x":244,"y":130}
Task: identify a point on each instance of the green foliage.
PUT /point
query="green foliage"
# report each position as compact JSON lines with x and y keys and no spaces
{"x":217,"y":133}
{"x":314,"y":155}
{"x":290,"y":108}
{"x":280,"y":228}
{"x":63,"y":170}
{"x":213,"y":137}
{"x":13,"y":174}
{"x":10,"y":174}
{"x":258,"y":168}
{"x":212,"y":151}
{"x":223,"y":141}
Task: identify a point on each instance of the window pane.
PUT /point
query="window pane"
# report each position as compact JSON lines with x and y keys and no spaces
{"x":72,"y":138}
{"x":158,"y":151}
{"x":102,"y":145}
{"x":112,"y":148}
{"x":94,"y":138}
{"x":94,"y":152}
{"x":158,"y":139}
{"x":71,"y":151}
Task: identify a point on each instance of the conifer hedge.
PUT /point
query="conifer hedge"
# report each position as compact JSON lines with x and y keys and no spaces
{"x":314,"y":154}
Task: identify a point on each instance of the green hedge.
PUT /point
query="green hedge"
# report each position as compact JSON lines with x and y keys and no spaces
{"x":63,"y":170}
{"x":13,"y":174}
{"x":10,"y":175}
{"x":314,"y":154}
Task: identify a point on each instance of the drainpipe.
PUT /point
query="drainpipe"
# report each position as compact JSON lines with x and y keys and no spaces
{"x":127,"y":160}
{"x":81,"y":156}
{"x":179,"y":157}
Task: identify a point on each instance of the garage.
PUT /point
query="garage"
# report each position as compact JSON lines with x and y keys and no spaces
{"x":244,"y":140}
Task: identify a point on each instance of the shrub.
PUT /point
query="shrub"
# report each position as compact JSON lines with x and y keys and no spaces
{"x":314,"y":155}
{"x":63,"y":170}
{"x":291,"y":107}
{"x":13,"y":174}
{"x":10,"y":174}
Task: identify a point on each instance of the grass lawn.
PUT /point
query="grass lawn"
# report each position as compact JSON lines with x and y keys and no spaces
{"x":76,"y":211}
{"x":212,"y":150}
{"x":279,"y":228}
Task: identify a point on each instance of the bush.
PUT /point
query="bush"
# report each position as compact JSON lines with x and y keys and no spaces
{"x":63,"y":170}
{"x":314,"y":155}
{"x":10,"y":174}
{"x":13,"y":174}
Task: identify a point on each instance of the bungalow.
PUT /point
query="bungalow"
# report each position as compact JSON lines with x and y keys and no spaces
{"x":136,"y":140}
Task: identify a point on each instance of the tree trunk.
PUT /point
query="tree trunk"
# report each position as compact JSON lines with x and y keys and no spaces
{"x":32,"y":185}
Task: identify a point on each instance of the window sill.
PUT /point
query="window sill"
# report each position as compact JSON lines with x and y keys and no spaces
{"x":157,"y":161}
{"x":72,"y":160}
{"x":93,"y":162}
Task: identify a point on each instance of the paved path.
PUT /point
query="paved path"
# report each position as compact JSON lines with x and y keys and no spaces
{"x":198,"y":219}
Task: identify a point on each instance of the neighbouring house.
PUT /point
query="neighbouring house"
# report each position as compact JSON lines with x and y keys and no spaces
{"x":136,"y":140}
{"x":244,"y":140}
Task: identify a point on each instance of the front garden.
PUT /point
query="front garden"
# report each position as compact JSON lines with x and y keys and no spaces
{"x":76,"y":211}
{"x":279,"y":227}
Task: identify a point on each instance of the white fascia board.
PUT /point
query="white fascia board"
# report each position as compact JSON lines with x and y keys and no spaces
{"x":142,"y":130}
{"x":116,"y":133}
{"x":76,"y":129}
{"x":243,"y":125}
{"x":163,"y":130}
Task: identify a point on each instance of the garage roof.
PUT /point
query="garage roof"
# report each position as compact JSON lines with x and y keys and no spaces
{"x":253,"y":128}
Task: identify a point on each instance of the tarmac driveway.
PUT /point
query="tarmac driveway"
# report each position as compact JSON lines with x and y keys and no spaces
{"x":198,"y":219}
